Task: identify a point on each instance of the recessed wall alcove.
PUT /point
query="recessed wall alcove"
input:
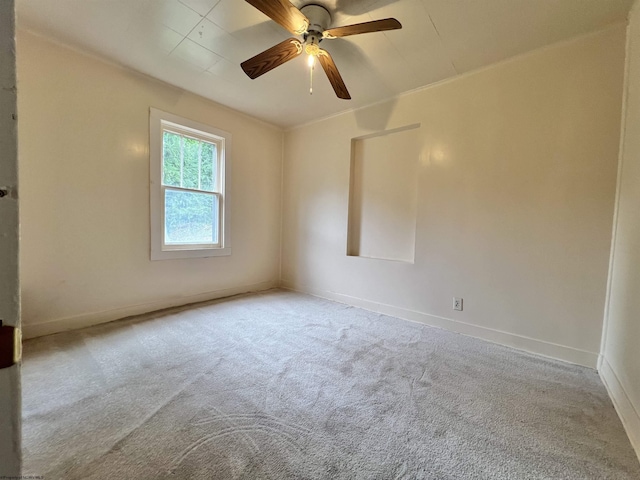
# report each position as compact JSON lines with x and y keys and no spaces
{"x":383,"y":194}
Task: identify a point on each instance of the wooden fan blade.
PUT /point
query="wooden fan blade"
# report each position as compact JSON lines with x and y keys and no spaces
{"x":366,"y":27}
{"x":272,"y":58}
{"x":333,"y":74}
{"x":283,"y":13}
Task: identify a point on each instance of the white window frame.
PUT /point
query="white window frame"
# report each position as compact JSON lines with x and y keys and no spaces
{"x":160,"y":121}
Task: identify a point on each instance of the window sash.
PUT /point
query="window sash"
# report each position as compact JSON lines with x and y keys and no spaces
{"x":190,"y":246}
{"x":219,"y":144}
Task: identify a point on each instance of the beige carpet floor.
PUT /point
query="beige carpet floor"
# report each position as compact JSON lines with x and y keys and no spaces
{"x":281,"y":385}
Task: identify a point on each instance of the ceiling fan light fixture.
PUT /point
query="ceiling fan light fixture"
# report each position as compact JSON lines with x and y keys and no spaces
{"x":311,"y":61}
{"x":312,"y":48}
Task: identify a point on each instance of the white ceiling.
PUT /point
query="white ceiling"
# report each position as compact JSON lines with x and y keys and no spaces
{"x":199,"y":44}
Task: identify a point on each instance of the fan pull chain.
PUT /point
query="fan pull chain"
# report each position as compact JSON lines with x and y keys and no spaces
{"x":311,"y":79}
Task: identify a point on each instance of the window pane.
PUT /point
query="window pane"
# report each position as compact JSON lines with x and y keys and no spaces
{"x":190,"y":217}
{"x":191,"y":164}
{"x":171,"y":159}
{"x":209,"y":167}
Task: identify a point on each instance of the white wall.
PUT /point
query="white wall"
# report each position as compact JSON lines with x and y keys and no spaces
{"x":620,"y":366}
{"x":84,"y":134}
{"x":515,"y":203}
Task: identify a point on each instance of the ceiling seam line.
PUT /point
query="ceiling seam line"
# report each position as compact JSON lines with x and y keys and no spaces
{"x":453,"y":65}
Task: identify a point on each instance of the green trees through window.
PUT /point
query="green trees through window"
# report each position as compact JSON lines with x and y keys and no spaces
{"x":188,"y":162}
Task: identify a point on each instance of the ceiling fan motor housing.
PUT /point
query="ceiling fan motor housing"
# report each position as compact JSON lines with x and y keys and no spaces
{"x":319,"y":20}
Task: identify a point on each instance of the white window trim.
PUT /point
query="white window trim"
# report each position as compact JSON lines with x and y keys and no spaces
{"x":157,"y":119}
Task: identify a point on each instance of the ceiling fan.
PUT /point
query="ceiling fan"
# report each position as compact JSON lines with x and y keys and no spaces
{"x":310,"y":21}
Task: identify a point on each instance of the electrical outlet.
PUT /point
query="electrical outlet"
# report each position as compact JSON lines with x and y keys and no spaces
{"x":457,"y":303}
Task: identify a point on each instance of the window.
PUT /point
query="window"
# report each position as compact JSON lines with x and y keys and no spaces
{"x":189,"y":199}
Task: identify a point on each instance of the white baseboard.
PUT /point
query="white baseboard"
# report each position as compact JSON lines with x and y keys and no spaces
{"x":629,"y":416}
{"x":520,"y":342}
{"x":95,"y":318}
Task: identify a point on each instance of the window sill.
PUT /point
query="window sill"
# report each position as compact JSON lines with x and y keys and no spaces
{"x":186,"y":253}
